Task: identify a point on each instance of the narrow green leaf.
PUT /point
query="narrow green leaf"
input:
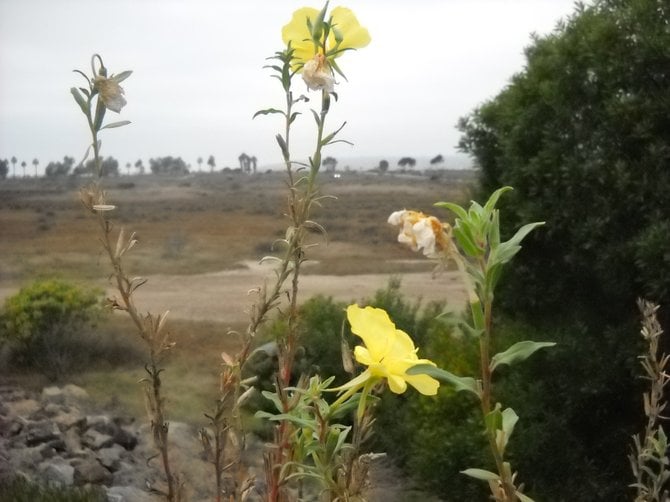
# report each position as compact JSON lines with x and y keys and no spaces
{"x":482,"y":474}
{"x":509,"y":420}
{"x":460,"y":212}
{"x":523,"y":232}
{"x":268,"y":111}
{"x":459,"y":383}
{"x":504,"y":252}
{"x":282,"y":145}
{"x":316,"y":117}
{"x":112,"y":125}
{"x":122,"y":76}
{"x":100,"y":110}
{"x":493,"y":199}
{"x":520,"y":351}
{"x":465,"y":242}
{"x":330,"y":137}
{"x":524,"y":498}
{"x":80,"y":100}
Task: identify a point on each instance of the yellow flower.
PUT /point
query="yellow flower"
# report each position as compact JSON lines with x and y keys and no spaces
{"x":110,"y":92}
{"x":420,"y":231}
{"x":388,"y":353}
{"x":316,"y":44}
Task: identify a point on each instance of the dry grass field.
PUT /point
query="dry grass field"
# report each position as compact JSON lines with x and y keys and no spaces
{"x":201,"y":239}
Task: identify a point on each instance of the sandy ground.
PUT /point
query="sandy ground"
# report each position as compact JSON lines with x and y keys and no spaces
{"x":227,"y":295}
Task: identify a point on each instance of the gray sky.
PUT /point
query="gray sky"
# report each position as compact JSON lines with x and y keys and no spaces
{"x":198,"y":75}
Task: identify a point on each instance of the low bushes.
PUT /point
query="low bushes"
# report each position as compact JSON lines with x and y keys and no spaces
{"x":45,"y":326}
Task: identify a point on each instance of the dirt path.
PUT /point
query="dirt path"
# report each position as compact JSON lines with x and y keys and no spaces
{"x":225,"y":296}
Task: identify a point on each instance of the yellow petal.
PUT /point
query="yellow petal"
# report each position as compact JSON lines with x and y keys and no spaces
{"x":425,"y":384}
{"x":397,"y":384}
{"x":375,"y":328}
{"x":296,"y":31}
{"x":403,"y":346}
{"x":354,"y":36}
{"x":362,"y":355}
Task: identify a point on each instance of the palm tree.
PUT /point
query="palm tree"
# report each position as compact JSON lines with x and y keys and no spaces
{"x":139,"y":166}
{"x":14,"y":161}
{"x":35,"y":163}
{"x":128,"y":167}
{"x":23,"y":165}
{"x":211,"y":163}
{"x":199,"y":163}
{"x":253,"y":161}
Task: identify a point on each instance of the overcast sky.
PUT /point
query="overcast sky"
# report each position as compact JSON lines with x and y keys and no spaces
{"x":198,"y":75}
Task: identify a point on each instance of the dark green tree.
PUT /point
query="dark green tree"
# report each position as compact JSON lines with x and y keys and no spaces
{"x":407,"y":162}
{"x":330,"y":163}
{"x":583,"y":135}
{"x":168,"y":165}
{"x":4,"y":168}
{"x":59,"y":168}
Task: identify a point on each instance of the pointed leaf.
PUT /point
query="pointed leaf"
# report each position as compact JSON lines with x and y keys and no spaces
{"x":459,"y":383}
{"x":460,"y":212}
{"x":524,"y":498}
{"x":520,"y":351}
{"x":80,"y":100}
{"x":112,"y":125}
{"x":268,"y":111}
{"x":481,"y":474}
{"x":493,"y":200}
{"x":122,"y":76}
{"x":523,"y":232}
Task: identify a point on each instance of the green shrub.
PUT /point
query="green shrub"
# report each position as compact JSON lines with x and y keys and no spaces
{"x":46,"y":323}
{"x":20,"y":490}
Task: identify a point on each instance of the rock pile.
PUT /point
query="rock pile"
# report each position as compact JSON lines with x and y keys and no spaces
{"x":50,"y":438}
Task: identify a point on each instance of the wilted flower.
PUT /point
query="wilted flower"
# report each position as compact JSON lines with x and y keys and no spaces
{"x":110,"y":92}
{"x":388,"y":353}
{"x":316,"y":42}
{"x":317,"y":74}
{"x":420,"y":231}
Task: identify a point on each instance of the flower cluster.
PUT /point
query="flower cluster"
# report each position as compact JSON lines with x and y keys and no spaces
{"x":388,"y":353}
{"x":316,"y":41}
{"x":422,"y":232}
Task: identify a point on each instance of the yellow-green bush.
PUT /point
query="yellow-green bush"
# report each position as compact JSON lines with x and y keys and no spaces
{"x":45,"y":325}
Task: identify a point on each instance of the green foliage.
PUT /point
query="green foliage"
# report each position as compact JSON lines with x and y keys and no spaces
{"x":20,"y":490}
{"x":582,"y":134}
{"x":576,"y":401}
{"x":323,"y":319}
{"x":44,"y":323}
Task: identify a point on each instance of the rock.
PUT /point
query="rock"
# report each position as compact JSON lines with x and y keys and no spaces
{"x":40,"y":432}
{"x":22,"y":407}
{"x":130,"y":494}
{"x":22,"y":457}
{"x":89,"y":470}
{"x":73,"y":443}
{"x":96,"y":440}
{"x":111,"y":457}
{"x":70,"y":417}
{"x":102,"y":424}
{"x":75,"y":394}
{"x":125,"y":438}
{"x":53,"y":395}
{"x":60,"y":472}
